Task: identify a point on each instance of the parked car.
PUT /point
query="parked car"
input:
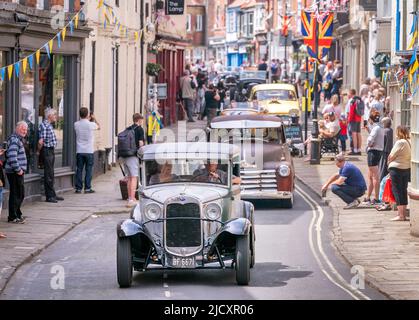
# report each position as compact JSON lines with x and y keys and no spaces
{"x":190,"y":214}
{"x":277,"y":99}
{"x":267,"y":167}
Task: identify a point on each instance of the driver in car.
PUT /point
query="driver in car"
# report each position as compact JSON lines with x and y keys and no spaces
{"x":212,"y":174}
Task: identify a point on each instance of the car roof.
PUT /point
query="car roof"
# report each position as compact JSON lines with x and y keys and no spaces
{"x":274,"y":86}
{"x":246,"y":121}
{"x":189,"y":150}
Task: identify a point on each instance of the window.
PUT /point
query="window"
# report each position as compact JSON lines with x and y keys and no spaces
{"x":2,"y":101}
{"x":250,"y":24}
{"x":188,"y":23}
{"x":217,"y":18}
{"x":384,"y":9}
{"x":199,"y":23}
{"x":232,"y":22}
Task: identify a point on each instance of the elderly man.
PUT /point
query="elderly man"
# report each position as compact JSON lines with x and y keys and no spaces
{"x":212,"y":174}
{"x":16,"y":165}
{"x":349,"y":184}
{"x":188,"y":86}
{"x":47,"y":144}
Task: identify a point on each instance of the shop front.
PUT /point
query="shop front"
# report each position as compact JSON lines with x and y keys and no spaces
{"x":51,"y":82}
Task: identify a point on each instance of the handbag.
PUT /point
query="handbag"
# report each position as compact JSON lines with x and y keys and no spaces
{"x":388,"y":196}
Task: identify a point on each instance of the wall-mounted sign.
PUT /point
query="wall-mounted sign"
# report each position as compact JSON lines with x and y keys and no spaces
{"x":175,"y":7}
{"x":368,"y":5}
{"x":158,"y":88}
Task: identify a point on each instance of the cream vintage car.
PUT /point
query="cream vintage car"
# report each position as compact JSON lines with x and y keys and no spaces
{"x":190,"y":214}
{"x":277,"y":99}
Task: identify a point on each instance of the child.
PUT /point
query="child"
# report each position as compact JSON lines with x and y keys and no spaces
{"x":343,"y":136}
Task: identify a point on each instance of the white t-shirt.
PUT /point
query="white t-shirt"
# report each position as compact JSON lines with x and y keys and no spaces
{"x":333,"y":127}
{"x":85,"y":136}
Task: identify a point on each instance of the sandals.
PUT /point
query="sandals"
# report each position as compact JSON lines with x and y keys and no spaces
{"x":383,"y":207}
{"x":397,"y":219}
{"x":2,"y":236}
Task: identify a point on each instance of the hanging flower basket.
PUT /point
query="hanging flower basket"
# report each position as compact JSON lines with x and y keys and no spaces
{"x":153,"y":69}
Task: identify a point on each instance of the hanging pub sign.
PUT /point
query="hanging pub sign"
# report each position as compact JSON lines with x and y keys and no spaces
{"x":368,"y":5}
{"x":175,"y":7}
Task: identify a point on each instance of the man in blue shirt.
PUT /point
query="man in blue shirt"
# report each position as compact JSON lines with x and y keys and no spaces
{"x":349,"y":184}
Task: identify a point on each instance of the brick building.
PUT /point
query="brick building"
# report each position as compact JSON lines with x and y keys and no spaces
{"x":216,"y":30}
{"x":196,"y":30}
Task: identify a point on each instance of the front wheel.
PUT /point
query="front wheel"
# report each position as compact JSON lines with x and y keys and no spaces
{"x":243,"y":260}
{"x":124,"y":262}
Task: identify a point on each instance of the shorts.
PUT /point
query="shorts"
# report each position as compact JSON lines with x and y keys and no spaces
{"x":355,"y":127}
{"x":131,"y":166}
{"x":374,"y":158}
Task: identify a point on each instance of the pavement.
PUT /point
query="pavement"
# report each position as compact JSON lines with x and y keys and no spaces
{"x":46,"y":223}
{"x":367,"y":238}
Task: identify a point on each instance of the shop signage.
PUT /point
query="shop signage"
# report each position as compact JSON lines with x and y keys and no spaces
{"x":368,"y":5}
{"x":175,"y":7}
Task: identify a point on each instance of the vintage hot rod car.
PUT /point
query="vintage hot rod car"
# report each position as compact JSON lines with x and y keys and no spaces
{"x":190,"y":214}
{"x":267,"y":168}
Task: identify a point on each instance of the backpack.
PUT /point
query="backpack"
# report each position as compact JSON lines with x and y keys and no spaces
{"x":360,"y":106}
{"x":126,"y":143}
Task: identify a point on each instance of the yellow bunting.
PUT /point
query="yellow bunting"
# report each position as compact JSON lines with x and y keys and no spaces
{"x":64,"y":33}
{"x":413,"y":41}
{"x":76,"y":20}
{"x":136,"y":35}
{"x":10,"y":70}
{"x":24,"y":64}
{"x":110,"y":11}
{"x":100,"y":4}
{"x":38,"y":56}
{"x":50,"y":44}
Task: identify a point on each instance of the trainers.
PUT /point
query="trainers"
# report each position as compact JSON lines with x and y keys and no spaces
{"x":352,"y":205}
{"x":131,"y":203}
{"x":17,"y":221}
{"x":89,"y":191}
{"x":78,"y":192}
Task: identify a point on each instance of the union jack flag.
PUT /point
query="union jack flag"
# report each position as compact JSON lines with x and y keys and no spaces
{"x":317,"y":47}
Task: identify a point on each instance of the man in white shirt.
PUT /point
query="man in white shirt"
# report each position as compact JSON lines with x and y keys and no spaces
{"x":85,"y":150}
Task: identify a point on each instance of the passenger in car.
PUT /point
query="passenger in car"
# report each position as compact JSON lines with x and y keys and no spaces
{"x":212,"y":174}
{"x":165,"y":175}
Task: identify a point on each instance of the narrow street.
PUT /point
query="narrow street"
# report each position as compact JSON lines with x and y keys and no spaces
{"x":291,"y":264}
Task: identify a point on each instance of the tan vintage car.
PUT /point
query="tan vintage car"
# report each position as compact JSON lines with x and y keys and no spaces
{"x":267,"y":168}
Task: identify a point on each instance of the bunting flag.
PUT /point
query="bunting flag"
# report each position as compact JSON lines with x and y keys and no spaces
{"x":59,"y":40}
{"x":413,"y":32}
{"x":24,"y":65}
{"x":2,"y":73}
{"x":10,"y":71}
{"x":64,"y":33}
{"x":100,"y":5}
{"x":318,"y":47}
{"x":71,"y":27}
{"x":46,"y":47}
{"x":17,"y":69}
{"x":30,"y":59}
{"x":38,"y":56}
{"x":76,"y":21}
{"x":414,"y":64}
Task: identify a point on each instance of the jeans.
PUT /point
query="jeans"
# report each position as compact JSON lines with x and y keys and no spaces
{"x":49,"y":174}
{"x":84,"y":161}
{"x":189,"y":106}
{"x":17,"y":195}
{"x":347,"y":193}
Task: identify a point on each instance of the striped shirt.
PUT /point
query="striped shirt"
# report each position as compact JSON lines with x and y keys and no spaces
{"x":46,"y":132}
{"x":15,"y":155}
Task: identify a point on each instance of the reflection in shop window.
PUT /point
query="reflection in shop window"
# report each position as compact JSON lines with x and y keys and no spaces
{"x":28,"y":114}
{"x":2,"y":103}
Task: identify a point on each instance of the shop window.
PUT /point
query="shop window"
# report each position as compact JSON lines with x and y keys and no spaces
{"x":2,"y":101}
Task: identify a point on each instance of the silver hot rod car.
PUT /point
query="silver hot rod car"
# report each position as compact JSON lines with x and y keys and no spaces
{"x":190,"y":214}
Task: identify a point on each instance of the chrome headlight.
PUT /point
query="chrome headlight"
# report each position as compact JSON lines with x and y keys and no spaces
{"x":213,"y":211}
{"x":153,"y":211}
{"x":284,"y":171}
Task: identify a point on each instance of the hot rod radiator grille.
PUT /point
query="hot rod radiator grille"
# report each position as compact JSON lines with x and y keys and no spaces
{"x":259,"y":180}
{"x":181,"y":230}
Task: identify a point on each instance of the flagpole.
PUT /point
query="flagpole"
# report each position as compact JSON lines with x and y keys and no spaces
{"x":315,"y":141}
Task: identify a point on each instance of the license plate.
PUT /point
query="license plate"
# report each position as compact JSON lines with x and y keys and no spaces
{"x":183,"y":263}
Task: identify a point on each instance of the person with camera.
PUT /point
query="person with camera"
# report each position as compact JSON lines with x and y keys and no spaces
{"x":16,"y":166}
{"x":212,"y":99}
{"x":85,"y":131}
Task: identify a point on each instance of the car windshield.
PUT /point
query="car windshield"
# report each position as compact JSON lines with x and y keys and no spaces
{"x":277,"y":94}
{"x":244,"y":105}
{"x":267,"y":135}
{"x":253,"y":75}
{"x":186,"y":171}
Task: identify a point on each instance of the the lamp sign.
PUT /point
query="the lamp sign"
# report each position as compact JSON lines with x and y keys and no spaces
{"x":175,"y":7}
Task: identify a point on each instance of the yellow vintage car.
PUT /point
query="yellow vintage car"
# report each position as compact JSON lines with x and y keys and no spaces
{"x":277,"y":99}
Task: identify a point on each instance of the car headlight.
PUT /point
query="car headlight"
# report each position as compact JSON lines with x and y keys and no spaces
{"x":213,"y":211}
{"x":153,"y":211}
{"x":294,"y":112}
{"x":284,"y":171}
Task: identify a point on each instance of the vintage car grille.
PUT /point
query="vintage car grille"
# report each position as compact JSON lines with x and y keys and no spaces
{"x":183,"y":231}
{"x":259,"y":180}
